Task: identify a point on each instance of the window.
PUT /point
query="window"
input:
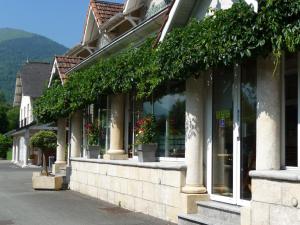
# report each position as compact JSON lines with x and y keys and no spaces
{"x":291,"y":98}
{"x":97,"y":124}
{"x":21,"y":124}
{"x":24,"y":116}
{"x":169,"y":111}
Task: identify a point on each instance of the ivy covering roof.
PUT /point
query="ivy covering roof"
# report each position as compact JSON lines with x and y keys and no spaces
{"x":227,"y":37}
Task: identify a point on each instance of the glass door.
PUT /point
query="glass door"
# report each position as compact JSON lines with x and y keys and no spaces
{"x":233,"y":134}
{"x":247,"y":153}
{"x":222,"y":133}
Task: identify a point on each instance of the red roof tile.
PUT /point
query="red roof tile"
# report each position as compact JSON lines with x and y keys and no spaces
{"x":105,"y":10}
{"x":65,"y":63}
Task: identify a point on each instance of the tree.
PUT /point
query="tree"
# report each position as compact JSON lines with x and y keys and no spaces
{"x":13,"y":118}
{"x":46,"y":141}
{"x":2,"y":98}
{"x":3,"y":118}
{"x":5,"y":143}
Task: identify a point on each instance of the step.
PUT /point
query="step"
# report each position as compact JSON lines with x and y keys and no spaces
{"x":220,"y":211}
{"x":212,"y":213}
{"x":196,"y":219}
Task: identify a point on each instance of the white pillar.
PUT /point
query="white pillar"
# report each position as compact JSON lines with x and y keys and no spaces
{"x":194,"y":136}
{"x":61,"y":141}
{"x":26,"y":148}
{"x":61,"y":146}
{"x":76,"y":134}
{"x":17,"y":150}
{"x":13,"y":151}
{"x":268,"y":115}
{"x":116,"y":149}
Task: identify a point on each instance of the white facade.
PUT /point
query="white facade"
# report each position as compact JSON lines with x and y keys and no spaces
{"x":21,"y":149}
{"x":26,"y":111}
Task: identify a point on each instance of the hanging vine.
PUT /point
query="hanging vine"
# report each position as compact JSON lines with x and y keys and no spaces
{"x":227,"y":37}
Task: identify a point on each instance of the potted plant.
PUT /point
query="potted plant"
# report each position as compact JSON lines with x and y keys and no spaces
{"x":92,"y":131}
{"x":145,"y":130}
{"x":31,"y":159}
{"x":46,"y":141}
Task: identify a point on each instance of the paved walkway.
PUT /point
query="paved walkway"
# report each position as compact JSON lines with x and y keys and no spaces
{"x":20,"y":205}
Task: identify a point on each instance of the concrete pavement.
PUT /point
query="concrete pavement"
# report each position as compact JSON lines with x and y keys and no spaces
{"x":20,"y":205}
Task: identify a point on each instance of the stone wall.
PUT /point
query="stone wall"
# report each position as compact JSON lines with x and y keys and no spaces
{"x":276,"y":198}
{"x":153,"y":190}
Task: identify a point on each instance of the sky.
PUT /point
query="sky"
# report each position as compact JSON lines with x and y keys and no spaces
{"x":59,"y":20}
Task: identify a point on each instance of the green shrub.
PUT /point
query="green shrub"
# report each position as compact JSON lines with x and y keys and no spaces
{"x":5,"y":144}
{"x":9,"y":155}
{"x":46,"y":141}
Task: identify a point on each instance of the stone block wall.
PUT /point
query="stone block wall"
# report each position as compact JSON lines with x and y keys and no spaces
{"x":274,"y":201}
{"x":152,"y":191}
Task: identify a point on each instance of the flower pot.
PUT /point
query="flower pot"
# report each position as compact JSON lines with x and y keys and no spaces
{"x":29,"y":161}
{"x":146,"y":152}
{"x":92,"y":151}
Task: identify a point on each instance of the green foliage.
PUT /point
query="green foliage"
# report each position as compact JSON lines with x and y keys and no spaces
{"x":145,"y":130}
{"x":2,"y":98}
{"x":5,"y":144}
{"x":225,"y":38}
{"x":9,"y":155}
{"x":9,"y":116}
{"x":3,"y":118}
{"x":45,"y":140}
{"x":13,"y":118}
{"x":279,"y":23}
{"x":93,"y":132}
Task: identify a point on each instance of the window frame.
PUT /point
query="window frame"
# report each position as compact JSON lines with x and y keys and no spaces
{"x":133,"y":115}
{"x":283,"y":124}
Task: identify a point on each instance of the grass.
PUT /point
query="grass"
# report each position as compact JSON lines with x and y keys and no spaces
{"x":9,"y":155}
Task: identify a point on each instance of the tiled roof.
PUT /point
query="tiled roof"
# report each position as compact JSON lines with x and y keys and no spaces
{"x":34,"y":78}
{"x":64,"y":63}
{"x":105,"y":10}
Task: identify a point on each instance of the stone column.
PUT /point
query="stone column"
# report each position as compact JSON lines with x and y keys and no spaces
{"x":116,"y":149}
{"x":17,"y":150}
{"x":194,"y":136}
{"x":61,"y":141}
{"x":26,"y":148}
{"x":76,"y":134}
{"x":268,"y":121}
{"x":13,"y":151}
{"x":61,"y":145}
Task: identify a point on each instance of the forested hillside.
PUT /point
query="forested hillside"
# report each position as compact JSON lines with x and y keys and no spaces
{"x":16,"y":47}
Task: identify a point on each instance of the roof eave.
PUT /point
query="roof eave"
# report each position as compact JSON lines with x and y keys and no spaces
{"x":129,"y":34}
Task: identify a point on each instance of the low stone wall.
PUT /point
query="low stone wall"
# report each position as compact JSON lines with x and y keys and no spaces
{"x":275,"y":198}
{"x":150,"y":188}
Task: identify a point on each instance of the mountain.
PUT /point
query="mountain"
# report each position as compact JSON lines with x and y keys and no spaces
{"x":18,"y":46}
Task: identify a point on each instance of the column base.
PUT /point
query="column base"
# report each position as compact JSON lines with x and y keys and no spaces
{"x":194,"y":189}
{"x":115,"y":156}
{"x":58,"y":166}
{"x":188,"y":202}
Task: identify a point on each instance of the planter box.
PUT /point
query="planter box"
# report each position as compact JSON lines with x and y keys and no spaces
{"x":46,"y":182}
{"x":92,"y":152}
{"x":146,"y":152}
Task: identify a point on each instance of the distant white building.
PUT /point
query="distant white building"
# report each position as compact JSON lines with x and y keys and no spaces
{"x":30,"y":83}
